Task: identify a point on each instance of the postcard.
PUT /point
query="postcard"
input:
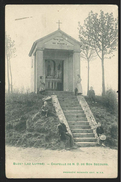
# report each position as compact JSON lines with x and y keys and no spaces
{"x":61,"y":91}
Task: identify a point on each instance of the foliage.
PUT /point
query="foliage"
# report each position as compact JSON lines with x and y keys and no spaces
{"x":42,"y":131}
{"x":88,"y":53}
{"x":100,"y":32}
{"x":107,"y":117}
{"x":9,"y":53}
{"x":110,"y":101}
{"x":9,"y":46}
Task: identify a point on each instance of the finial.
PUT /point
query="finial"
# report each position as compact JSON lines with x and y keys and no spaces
{"x":58,"y":24}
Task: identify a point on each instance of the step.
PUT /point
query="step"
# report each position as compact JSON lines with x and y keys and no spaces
{"x":73,"y":121}
{"x":71,"y":108}
{"x":79,"y":126}
{"x":75,"y":114}
{"x":83,"y":135}
{"x":69,"y":105}
{"x":72,"y":118}
{"x":86,"y":144}
{"x":82,"y":130}
{"x":78,"y":123}
{"x":65,"y":96}
{"x":68,"y":99}
{"x":85,"y":139}
{"x":73,"y":111}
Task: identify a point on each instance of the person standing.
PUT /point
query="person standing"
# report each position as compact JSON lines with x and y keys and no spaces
{"x":42,"y":85}
{"x":91,"y":95}
{"x":79,"y":85}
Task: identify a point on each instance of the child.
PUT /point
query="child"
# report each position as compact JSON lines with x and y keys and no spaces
{"x":100,"y":132}
{"x":45,"y":109}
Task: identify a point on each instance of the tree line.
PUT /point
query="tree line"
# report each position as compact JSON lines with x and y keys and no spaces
{"x":99,"y":37}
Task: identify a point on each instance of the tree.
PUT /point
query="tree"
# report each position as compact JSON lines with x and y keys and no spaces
{"x":101,"y":33}
{"x":88,"y":53}
{"x":9,"y":52}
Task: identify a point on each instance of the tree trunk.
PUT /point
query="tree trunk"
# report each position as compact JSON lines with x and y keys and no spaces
{"x":8,"y":75}
{"x":103,"y":76}
{"x":11,"y":77}
{"x":88,"y":78}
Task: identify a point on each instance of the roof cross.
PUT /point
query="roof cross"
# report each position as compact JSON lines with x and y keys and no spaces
{"x":58,"y":24}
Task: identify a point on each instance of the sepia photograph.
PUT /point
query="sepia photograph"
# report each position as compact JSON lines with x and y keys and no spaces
{"x":61,"y":91}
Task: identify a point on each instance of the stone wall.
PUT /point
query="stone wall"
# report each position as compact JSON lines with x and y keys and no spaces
{"x":60,"y":113}
{"x":88,"y":113}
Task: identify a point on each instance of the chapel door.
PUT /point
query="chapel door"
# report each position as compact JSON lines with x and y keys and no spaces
{"x":54,"y":74}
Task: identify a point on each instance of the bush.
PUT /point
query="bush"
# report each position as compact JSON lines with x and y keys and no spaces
{"x":22,"y":129}
{"x":110,"y":101}
{"x":105,"y":110}
{"x":114,"y":130}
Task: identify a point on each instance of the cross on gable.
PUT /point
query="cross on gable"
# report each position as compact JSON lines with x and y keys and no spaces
{"x":58,"y":24}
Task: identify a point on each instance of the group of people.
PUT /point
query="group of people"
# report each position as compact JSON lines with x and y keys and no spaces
{"x":65,"y":136}
{"x":78,"y":89}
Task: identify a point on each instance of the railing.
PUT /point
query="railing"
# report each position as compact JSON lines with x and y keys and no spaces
{"x":52,"y":84}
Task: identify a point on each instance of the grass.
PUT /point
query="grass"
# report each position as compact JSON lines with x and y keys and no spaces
{"x":42,"y":131}
{"x":108,"y":116}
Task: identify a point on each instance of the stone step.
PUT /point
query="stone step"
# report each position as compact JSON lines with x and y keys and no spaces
{"x":68,"y":101}
{"x":82,"y":130}
{"x":73,"y":111}
{"x":71,"y":108}
{"x":80,"y":127}
{"x":73,"y":123}
{"x":76,"y":119}
{"x":68,"y":98}
{"x":66,"y":95}
{"x":83,"y":135}
{"x":86,"y":144}
{"x":85,"y":139}
{"x":77,"y":115}
{"x":73,"y":118}
{"x":70,"y":105}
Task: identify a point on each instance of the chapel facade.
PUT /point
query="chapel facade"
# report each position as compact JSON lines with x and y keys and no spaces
{"x":55,"y":57}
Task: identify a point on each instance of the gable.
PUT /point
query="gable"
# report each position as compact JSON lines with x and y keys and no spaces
{"x":59,"y":39}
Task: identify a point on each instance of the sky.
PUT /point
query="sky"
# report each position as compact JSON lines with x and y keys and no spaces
{"x":41,"y":22}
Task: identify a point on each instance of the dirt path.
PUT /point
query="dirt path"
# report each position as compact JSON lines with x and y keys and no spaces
{"x":84,"y":162}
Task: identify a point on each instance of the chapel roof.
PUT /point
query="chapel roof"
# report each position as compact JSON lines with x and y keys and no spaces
{"x":52,"y":34}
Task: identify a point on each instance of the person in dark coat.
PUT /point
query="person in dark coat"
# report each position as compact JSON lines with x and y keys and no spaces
{"x":64,"y":135}
{"x":91,"y":94}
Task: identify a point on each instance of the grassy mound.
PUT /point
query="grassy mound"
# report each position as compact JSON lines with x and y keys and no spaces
{"x":41,"y":131}
{"x":105,"y":110}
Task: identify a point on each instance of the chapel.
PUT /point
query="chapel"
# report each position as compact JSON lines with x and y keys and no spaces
{"x":56,"y":58}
